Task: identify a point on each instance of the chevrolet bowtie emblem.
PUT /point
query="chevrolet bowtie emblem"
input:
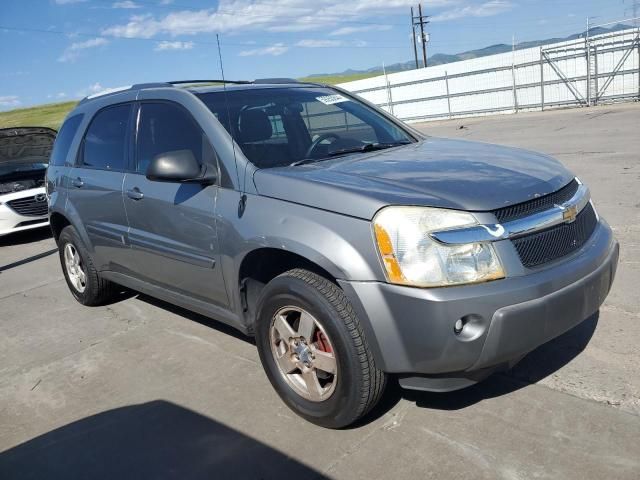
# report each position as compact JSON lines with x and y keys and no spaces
{"x":570,"y":213}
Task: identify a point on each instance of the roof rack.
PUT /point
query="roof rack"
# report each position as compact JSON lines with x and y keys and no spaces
{"x":140,"y":86}
{"x":184,"y":82}
{"x":275,"y":80}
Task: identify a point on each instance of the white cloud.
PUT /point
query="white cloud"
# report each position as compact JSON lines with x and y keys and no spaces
{"x":126,"y":4}
{"x":165,"y":45}
{"x":318,"y":43}
{"x":274,"y":50}
{"x":67,"y":2}
{"x":278,"y":15}
{"x":486,"y":9}
{"x":166,"y":2}
{"x":91,"y":89}
{"x":9,"y":101}
{"x":73,"y":51}
{"x":61,"y":95}
{"x":363,"y":28}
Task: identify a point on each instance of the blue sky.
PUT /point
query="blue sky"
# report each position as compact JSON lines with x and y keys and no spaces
{"x":55,"y":50}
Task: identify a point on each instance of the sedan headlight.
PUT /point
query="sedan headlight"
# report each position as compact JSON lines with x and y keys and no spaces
{"x":412,"y":257}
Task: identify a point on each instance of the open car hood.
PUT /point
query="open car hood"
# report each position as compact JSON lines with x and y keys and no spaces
{"x":26,"y":144}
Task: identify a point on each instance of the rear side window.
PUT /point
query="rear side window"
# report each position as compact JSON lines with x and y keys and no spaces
{"x":105,"y":143}
{"x":63,"y":140}
{"x":166,"y":127}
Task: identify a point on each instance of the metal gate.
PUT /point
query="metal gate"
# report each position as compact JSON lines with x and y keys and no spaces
{"x":590,"y":83}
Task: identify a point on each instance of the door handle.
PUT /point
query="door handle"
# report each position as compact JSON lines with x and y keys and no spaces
{"x":77,"y":182}
{"x":135,"y":194}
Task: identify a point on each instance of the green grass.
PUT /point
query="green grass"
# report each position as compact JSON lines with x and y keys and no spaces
{"x":334,"y":79}
{"x":50,"y":115}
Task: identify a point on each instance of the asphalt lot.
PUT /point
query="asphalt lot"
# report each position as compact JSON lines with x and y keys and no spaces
{"x":139,"y":389}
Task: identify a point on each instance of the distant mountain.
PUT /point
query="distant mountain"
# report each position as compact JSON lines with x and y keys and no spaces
{"x":442,"y":58}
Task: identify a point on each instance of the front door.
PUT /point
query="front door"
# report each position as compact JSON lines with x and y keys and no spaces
{"x":95,"y":186}
{"x":172,"y":227}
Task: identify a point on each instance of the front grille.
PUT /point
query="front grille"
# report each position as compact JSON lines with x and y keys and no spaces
{"x":537,"y":205}
{"x":29,"y":206}
{"x":558,"y":241}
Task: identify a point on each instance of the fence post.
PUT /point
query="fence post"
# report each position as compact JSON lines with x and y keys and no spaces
{"x":446,"y":80}
{"x":595,"y":74}
{"x":389,"y":98}
{"x":587,"y":47}
{"x":513,"y":75}
{"x":541,"y":80}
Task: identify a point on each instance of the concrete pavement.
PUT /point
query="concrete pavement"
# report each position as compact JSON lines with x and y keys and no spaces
{"x":140,"y":389}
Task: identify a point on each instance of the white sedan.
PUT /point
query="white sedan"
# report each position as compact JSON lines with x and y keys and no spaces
{"x":24,"y":156}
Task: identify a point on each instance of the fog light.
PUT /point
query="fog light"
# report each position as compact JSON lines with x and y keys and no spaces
{"x":457,"y":328}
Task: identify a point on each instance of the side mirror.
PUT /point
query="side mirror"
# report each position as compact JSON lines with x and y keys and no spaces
{"x":179,"y":166}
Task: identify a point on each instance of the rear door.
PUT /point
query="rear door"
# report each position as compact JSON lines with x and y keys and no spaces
{"x":172,"y":225}
{"x":95,"y":185}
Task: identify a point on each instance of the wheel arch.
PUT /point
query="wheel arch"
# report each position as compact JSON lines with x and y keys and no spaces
{"x":261,"y":265}
{"x":60,"y":219}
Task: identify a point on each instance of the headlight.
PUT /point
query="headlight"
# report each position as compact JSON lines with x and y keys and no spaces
{"x":412,"y":257}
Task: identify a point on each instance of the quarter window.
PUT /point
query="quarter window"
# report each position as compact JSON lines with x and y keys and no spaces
{"x":63,"y":140}
{"x":105,"y":143}
{"x":166,"y":127}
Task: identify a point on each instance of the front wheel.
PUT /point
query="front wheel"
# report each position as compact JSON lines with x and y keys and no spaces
{"x":314,"y":351}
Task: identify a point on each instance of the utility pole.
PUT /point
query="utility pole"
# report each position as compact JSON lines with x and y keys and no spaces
{"x":413,"y":33}
{"x":420,"y":20}
{"x":634,"y":9}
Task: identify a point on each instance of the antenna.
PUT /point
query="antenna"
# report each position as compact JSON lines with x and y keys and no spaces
{"x":243,"y":197}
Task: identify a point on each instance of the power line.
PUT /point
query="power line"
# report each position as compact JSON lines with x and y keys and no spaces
{"x":195,"y":42}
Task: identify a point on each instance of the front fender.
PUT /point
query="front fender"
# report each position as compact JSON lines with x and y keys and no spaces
{"x":343,"y":246}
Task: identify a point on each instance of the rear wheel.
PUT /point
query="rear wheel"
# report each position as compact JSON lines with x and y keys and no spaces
{"x":314,"y":351}
{"x":82,"y":278}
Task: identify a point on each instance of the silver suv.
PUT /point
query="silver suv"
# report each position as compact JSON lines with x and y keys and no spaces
{"x":351,"y":246}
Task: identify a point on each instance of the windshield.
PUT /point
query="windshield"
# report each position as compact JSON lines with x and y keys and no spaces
{"x":282,"y":126}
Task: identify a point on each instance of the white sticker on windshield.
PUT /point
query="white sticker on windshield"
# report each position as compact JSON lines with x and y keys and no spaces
{"x":331,"y":99}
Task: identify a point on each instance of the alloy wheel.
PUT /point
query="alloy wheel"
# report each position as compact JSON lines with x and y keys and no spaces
{"x":304,"y":353}
{"x":75,"y":268}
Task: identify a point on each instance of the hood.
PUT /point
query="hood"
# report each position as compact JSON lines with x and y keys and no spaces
{"x":26,"y":144}
{"x":435,"y":172}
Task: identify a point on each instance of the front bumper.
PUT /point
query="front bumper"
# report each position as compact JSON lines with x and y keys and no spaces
{"x":411,"y":330}
{"x":11,"y":221}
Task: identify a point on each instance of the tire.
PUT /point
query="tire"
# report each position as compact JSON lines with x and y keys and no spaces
{"x":355,"y":387}
{"x":94,"y":290}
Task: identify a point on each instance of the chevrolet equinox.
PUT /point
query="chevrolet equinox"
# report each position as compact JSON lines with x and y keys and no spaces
{"x":351,"y":246}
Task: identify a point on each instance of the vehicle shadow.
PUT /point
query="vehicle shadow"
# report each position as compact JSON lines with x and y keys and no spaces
{"x":540,"y":363}
{"x":25,"y":236}
{"x":158,"y":439}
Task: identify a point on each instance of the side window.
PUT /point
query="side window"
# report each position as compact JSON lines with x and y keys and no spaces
{"x":105,"y":143}
{"x":166,"y":127}
{"x":63,"y":140}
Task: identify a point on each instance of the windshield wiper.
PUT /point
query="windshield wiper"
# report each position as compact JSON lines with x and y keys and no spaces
{"x":367,"y":147}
